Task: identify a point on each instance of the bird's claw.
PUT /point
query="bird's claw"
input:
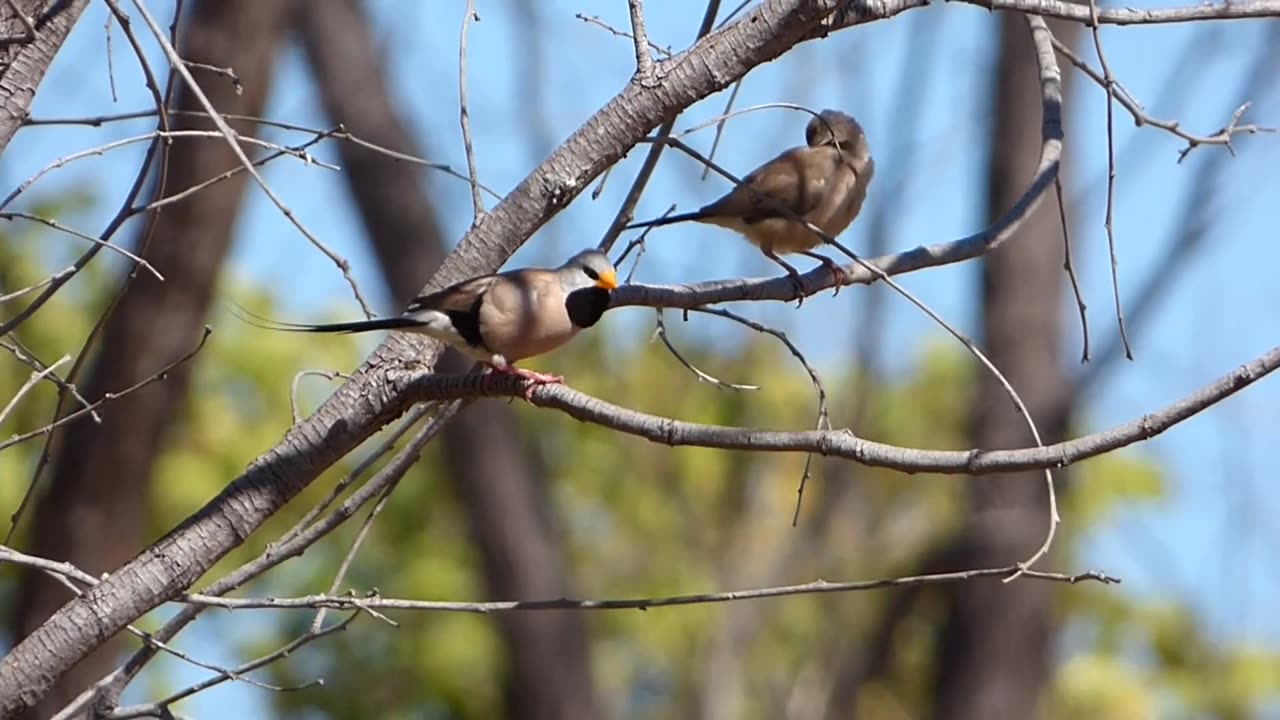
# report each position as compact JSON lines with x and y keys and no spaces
{"x":838,"y":275}
{"x":535,"y":378}
{"x":798,"y":284}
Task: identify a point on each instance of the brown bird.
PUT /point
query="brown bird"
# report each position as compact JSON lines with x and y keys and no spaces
{"x":502,"y":318}
{"x":824,"y":182}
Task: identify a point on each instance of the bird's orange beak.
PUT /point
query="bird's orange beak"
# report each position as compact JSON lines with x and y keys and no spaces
{"x":608,"y":280}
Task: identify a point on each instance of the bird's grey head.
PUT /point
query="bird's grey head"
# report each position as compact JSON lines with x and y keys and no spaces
{"x":587,"y":278}
{"x":831,"y":127}
{"x":589,"y":268}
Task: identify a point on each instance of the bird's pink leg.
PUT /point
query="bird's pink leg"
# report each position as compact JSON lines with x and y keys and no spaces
{"x":791,"y":272}
{"x":535,"y":378}
{"x":841,"y":277}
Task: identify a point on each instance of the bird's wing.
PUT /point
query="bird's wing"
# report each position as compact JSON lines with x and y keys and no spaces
{"x":795,"y":180}
{"x":460,"y":304}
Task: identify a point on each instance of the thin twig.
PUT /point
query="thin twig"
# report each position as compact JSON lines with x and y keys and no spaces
{"x":152,"y":136}
{"x":1071,"y":271}
{"x":341,"y":133}
{"x":226,"y":72}
{"x":720,"y":124}
{"x":293,"y":391}
{"x":1222,"y":137}
{"x":298,"y":151}
{"x":823,"y":421}
{"x":638,"y":242}
{"x":348,"y":602}
{"x":160,"y":707}
{"x":1194,"y":226}
{"x":350,"y":556}
{"x":729,"y":115}
{"x":1110,"y":88}
{"x":36,"y":377}
{"x":411,"y":419}
{"x":464,"y":114}
{"x":83,"y":236}
{"x":48,"y":429}
{"x":176,"y":62}
{"x":640,"y":38}
{"x":27,"y":357}
{"x":60,"y":275}
{"x":111,"y":71}
{"x":108,"y":397}
{"x":660,"y":330}
{"x":593,"y":20}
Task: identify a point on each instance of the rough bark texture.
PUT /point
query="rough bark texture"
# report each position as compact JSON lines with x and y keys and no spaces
{"x":24,"y":61}
{"x":501,"y":486}
{"x":369,"y":400}
{"x":95,"y":506}
{"x":996,"y":645}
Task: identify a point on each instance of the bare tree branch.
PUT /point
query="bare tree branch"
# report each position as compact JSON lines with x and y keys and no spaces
{"x":374,"y":602}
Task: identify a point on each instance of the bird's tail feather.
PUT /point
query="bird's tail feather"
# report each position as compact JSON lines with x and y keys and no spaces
{"x":355,"y":326}
{"x":668,"y":220}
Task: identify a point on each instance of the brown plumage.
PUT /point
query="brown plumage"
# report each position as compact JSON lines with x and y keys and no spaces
{"x":825,"y":182}
{"x":502,"y":318}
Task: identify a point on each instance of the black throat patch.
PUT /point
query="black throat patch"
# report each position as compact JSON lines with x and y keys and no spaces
{"x":586,"y":306}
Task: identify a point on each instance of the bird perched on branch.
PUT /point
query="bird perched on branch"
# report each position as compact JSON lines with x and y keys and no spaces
{"x":502,"y":318}
{"x":824,"y":183}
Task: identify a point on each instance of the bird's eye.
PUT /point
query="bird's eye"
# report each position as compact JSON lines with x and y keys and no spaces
{"x":591,"y":273}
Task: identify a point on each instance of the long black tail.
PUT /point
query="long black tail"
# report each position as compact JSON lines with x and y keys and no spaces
{"x":668,"y":220}
{"x":355,"y":326}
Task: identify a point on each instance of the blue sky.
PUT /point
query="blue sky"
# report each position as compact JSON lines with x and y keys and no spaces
{"x":1220,"y":312}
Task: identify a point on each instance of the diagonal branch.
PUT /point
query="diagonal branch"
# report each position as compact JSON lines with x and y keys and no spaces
{"x":422,"y":387}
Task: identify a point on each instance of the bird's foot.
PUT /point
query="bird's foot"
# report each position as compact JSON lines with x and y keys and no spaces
{"x":792,"y":273}
{"x":798,"y":284}
{"x":838,"y":273}
{"x":535,"y":378}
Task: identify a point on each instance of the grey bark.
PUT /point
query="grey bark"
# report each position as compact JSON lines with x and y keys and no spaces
{"x":94,"y":509}
{"x":502,"y":487}
{"x":996,"y":643}
{"x":24,"y":61}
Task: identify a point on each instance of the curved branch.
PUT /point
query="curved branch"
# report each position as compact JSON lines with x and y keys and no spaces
{"x":843,"y":443}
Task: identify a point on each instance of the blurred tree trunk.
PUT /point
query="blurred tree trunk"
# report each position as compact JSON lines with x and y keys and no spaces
{"x":94,"y":510}
{"x":997,"y":641}
{"x":501,"y":486}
